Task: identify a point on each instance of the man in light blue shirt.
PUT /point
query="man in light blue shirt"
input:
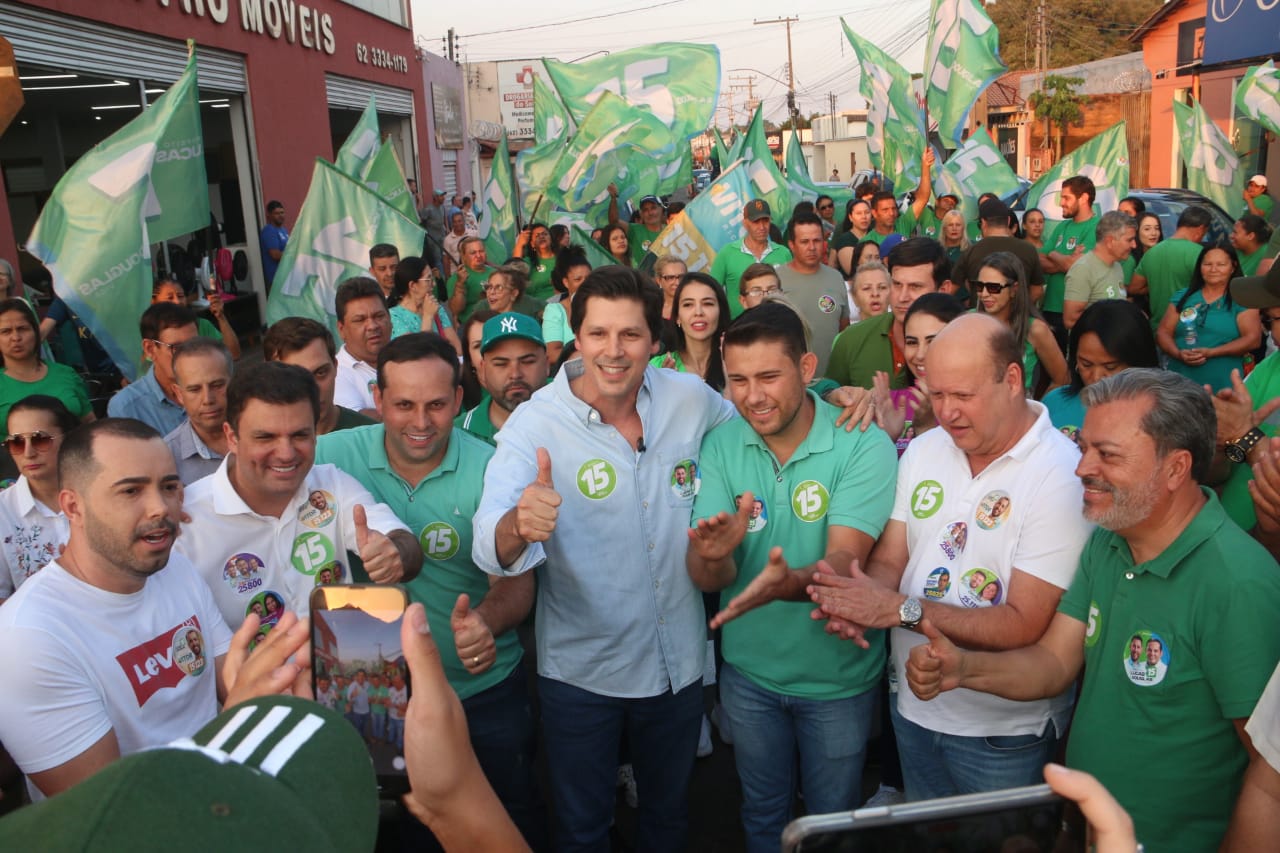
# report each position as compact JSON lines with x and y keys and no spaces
{"x":620,"y":626}
{"x":150,"y":399}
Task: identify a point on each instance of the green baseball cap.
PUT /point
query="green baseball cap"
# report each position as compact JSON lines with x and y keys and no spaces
{"x":271,"y":772}
{"x":510,"y":325}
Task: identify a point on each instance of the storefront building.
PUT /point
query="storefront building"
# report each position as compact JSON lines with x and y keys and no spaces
{"x":281,"y":83}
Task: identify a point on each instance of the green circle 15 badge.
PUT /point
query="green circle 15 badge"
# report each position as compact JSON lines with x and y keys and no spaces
{"x":439,"y":541}
{"x":596,"y":479}
{"x":809,"y":500}
{"x":926,"y":498}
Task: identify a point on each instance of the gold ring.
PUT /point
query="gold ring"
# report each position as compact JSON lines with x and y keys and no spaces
{"x":475,"y":661}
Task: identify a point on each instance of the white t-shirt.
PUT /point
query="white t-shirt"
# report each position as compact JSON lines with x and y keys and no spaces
{"x":1264,"y":722}
{"x":396,"y":696}
{"x":248,"y":559}
{"x":966,"y":535}
{"x":30,"y":535}
{"x":77,"y":662}
{"x":353,"y":386}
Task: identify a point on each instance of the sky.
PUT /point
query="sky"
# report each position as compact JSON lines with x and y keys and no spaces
{"x":824,"y":63}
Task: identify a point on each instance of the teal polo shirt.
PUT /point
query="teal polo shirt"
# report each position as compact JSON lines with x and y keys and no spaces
{"x":438,"y":511}
{"x":1160,"y":736}
{"x":833,"y":478}
{"x":477,"y":421}
{"x":732,"y":261}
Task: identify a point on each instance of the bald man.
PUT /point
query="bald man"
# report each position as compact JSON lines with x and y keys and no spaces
{"x":1000,"y":471}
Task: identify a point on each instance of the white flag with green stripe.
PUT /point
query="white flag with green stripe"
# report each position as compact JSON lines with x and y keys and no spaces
{"x":498,"y":226}
{"x":384,"y":176}
{"x":1258,"y":95}
{"x":962,"y":58}
{"x":1104,"y":159}
{"x":895,"y":124}
{"x":362,"y":143}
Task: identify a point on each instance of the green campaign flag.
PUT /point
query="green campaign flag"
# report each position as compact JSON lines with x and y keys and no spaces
{"x":962,"y":58}
{"x":340,"y":220}
{"x":721,"y":149}
{"x":1104,"y":159}
{"x":709,"y":223}
{"x":678,"y":83}
{"x":580,"y":235}
{"x":975,"y":168}
{"x":896,"y":131}
{"x":384,"y":176}
{"x":801,"y":185}
{"x":551,"y":121}
{"x":766,"y":181}
{"x":1213,"y":167}
{"x":616,"y":143}
{"x":498,"y":226}
{"x":362,"y":144}
{"x":143,"y":184}
{"x":1258,"y":95}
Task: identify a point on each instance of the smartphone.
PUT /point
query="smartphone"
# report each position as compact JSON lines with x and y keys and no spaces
{"x":1027,"y":819}
{"x":359,"y":670}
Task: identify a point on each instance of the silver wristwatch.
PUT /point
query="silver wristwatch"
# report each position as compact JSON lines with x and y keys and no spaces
{"x":910,"y":612}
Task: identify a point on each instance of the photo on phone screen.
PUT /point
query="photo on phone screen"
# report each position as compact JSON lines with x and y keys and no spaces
{"x":358,"y":669}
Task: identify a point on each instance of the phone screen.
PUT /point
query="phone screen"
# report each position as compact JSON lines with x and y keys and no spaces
{"x":1051,"y":825}
{"x":358,"y":669}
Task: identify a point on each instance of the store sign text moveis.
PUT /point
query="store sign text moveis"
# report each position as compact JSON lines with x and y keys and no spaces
{"x":296,"y":22}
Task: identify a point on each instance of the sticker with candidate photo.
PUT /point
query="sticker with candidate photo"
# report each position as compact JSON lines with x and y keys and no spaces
{"x":330,"y":573}
{"x":980,"y":588}
{"x":759,"y":514}
{"x":1146,"y":658}
{"x":954,"y":537}
{"x":242,"y":572}
{"x":267,"y":606}
{"x":826,"y":304}
{"x":319,"y":510}
{"x":188,"y":649}
{"x":994,"y":510}
{"x":937,"y":584}
{"x":686,"y":479}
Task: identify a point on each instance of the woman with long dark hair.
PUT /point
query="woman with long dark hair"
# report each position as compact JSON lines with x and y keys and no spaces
{"x":702,"y":316}
{"x":1001,"y":291}
{"x":24,"y":372}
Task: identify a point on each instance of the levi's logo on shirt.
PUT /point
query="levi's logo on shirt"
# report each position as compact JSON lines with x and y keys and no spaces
{"x":164,"y":661}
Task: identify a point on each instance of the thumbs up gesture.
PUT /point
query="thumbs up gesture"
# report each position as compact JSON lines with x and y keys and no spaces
{"x":538,"y":507}
{"x":936,"y":666}
{"x":379,"y":554}
{"x":472,"y":637}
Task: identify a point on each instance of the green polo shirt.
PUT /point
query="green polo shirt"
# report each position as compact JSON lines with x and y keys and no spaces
{"x":1065,"y":238}
{"x":1264,"y":386}
{"x":1167,"y":267}
{"x":862,"y":349}
{"x":639,"y":238}
{"x":477,"y":421}
{"x":439,"y":511}
{"x":732,"y":261}
{"x":475,"y":291}
{"x":833,"y":478}
{"x":1160,"y":737}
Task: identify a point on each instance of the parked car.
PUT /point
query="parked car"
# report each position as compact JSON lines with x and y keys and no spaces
{"x":1168,"y":204}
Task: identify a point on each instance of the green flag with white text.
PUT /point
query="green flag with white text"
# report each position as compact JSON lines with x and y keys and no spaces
{"x":678,"y":83}
{"x":962,"y":58}
{"x":1213,"y":167}
{"x":800,"y":183}
{"x":709,"y":223}
{"x":143,"y":184}
{"x":580,"y":235}
{"x":766,"y":181}
{"x":498,"y":226}
{"x":722,"y":150}
{"x":1104,"y":159}
{"x":340,"y":221}
{"x":1258,"y":95}
{"x":552,"y":129}
{"x":362,"y":143}
{"x":975,"y":168}
{"x":895,"y":124}
{"x":384,"y":176}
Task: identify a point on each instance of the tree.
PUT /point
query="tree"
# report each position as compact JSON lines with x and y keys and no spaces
{"x":1059,"y":105}
{"x":1077,"y":30}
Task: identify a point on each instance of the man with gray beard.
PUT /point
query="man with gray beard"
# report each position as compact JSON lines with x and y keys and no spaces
{"x":1165,"y":567}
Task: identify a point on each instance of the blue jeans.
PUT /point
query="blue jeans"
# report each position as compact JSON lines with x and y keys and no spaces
{"x":768,"y":730}
{"x":395,"y":732}
{"x":584,"y":730}
{"x":378,"y":722}
{"x":941,"y":765}
{"x":504,"y":737}
{"x":361,"y":722}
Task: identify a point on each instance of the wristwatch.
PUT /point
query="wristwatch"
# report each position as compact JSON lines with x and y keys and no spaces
{"x":1238,"y":450}
{"x":910,"y":612}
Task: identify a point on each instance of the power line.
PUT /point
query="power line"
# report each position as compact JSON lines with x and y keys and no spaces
{"x":573,"y":20}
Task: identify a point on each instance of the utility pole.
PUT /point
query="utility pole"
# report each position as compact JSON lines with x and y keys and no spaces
{"x":831,"y":98}
{"x":791,"y":67}
{"x":748,"y":82}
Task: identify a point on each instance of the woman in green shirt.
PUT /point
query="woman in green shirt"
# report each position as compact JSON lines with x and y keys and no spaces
{"x":25,"y":373}
{"x":533,"y":246}
{"x":702,"y":316}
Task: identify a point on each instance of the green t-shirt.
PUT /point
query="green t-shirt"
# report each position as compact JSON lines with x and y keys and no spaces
{"x":1092,"y":279}
{"x":205,"y":329}
{"x":732,"y":261}
{"x":540,"y":286}
{"x":477,"y":421}
{"x":640,"y":237}
{"x":60,"y":381}
{"x":1066,"y":411}
{"x":439,"y":511}
{"x":904,"y":225}
{"x":377,"y":701}
{"x":1264,"y":203}
{"x":833,"y":478}
{"x":1167,"y":267}
{"x":1249,"y":263}
{"x":861,"y":350}
{"x":1159,"y":735}
{"x":475,"y":291}
{"x":1216,"y":324}
{"x":1264,"y":386}
{"x":1068,"y":235}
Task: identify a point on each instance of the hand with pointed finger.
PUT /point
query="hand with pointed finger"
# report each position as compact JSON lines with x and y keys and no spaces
{"x":1110,"y":825}
{"x":379,"y":554}
{"x":767,"y":586}
{"x":713,"y":539}
{"x":934,"y":667}
{"x":471,"y":637}
{"x":539,"y":504}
